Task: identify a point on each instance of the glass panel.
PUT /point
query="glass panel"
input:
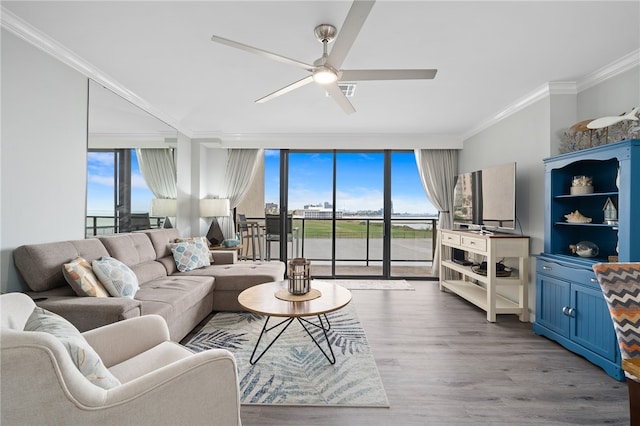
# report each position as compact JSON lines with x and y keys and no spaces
{"x":359,"y":213}
{"x":413,"y":219}
{"x":310,"y":205}
{"x":118,"y":198}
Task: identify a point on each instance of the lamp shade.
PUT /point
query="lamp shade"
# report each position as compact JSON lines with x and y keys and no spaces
{"x":215,"y":207}
{"x":163,"y":207}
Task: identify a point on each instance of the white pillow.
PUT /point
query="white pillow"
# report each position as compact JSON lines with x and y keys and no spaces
{"x":116,"y":277}
{"x":190,"y":255}
{"x":81,"y":353}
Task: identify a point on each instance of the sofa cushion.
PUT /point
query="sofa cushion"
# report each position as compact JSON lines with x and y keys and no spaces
{"x":172,"y":297}
{"x":190,"y":255}
{"x":136,"y":251}
{"x":116,"y":277}
{"x":240,"y":276}
{"x":41,"y":264}
{"x":81,"y":278}
{"x":81,"y":353}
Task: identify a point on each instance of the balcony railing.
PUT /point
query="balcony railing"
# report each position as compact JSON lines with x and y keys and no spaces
{"x":359,"y":245}
{"x":105,"y":225}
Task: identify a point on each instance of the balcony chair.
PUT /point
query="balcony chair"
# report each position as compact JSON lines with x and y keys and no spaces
{"x":272,"y":231}
{"x":152,"y":380}
{"x":249,"y":234}
{"x":620,"y":283}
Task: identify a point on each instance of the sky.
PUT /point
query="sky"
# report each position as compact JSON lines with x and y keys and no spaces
{"x":100,"y":185}
{"x":359,"y":180}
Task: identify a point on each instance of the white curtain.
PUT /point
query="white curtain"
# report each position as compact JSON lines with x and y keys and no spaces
{"x":438,"y":169}
{"x":158,"y":169}
{"x":241,"y":168}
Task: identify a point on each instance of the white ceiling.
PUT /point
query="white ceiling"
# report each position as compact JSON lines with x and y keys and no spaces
{"x":488,"y":55}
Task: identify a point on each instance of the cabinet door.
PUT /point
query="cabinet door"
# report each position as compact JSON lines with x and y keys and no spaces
{"x":591,"y":325}
{"x":553,"y":295}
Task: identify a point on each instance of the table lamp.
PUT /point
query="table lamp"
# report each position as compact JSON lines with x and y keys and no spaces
{"x":164,"y":207}
{"x":215,"y":208}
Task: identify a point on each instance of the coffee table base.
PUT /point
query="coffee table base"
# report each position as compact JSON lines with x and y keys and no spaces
{"x":302,"y":322}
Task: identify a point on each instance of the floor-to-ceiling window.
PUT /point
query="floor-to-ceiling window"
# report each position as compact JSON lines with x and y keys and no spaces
{"x":335,"y":202}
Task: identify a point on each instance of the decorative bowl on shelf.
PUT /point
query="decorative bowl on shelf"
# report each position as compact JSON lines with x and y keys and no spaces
{"x":585,"y":249}
{"x":230,"y":243}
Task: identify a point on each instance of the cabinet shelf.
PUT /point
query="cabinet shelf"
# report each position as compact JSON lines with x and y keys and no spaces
{"x":478,"y":296}
{"x":593,"y":194}
{"x":597,"y":225}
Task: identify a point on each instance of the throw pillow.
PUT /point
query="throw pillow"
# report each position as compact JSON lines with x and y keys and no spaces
{"x":81,"y":353}
{"x":81,"y":278}
{"x":190,"y":255}
{"x":117,"y":278}
{"x":191,"y":239}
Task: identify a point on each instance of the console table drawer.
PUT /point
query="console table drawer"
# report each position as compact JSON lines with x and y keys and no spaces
{"x":474,"y":243}
{"x":451,"y":238}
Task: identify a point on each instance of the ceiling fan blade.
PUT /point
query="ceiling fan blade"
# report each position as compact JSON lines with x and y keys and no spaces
{"x":261,"y":52}
{"x":286,"y":89}
{"x":336,"y":93}
{"x":349,"y":31}
{"x":361,"y":75}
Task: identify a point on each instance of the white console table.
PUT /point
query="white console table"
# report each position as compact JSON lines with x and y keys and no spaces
{"x":481,"y":289}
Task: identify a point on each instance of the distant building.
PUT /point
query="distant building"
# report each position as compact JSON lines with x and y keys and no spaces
{"x":317,"y":212}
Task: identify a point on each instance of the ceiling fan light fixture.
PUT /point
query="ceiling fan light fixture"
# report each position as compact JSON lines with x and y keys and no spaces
{"x":325,"y":76}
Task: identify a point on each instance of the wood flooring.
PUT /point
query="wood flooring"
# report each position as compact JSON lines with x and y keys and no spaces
{"x":442,"y":363}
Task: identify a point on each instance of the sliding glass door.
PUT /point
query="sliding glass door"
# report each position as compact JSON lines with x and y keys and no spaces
{"x":359,"y":193}
{"x":352,"y":214}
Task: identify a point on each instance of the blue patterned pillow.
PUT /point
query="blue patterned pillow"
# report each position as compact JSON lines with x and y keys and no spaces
{"x":116,"y":277}
{"x":190,"y":255}
{"x":81,"y":353}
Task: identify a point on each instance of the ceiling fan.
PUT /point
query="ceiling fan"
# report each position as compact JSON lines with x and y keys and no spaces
{"x":326,"y":70}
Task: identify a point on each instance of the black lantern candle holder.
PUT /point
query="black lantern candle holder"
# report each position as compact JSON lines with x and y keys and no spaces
{"x":299,"y":276}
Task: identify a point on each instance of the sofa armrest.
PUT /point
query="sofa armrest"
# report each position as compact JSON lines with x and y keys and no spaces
{"x":122,"y":340}
{"x":86,"y":313}
{"x":224,"y":257}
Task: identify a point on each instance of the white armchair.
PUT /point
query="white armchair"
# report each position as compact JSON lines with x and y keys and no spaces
{"x":162,"y":382}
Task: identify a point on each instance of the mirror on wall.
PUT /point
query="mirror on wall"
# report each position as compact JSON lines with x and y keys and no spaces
{"x":130,"y":163}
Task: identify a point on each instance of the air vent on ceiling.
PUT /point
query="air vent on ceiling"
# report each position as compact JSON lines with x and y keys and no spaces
{"x":349,"y":89}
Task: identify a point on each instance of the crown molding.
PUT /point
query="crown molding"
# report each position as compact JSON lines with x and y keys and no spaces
{"x":619,"y":66}
{"x":330,"y":140}
{"x":42,"y":41}
{"x":542,"y":92}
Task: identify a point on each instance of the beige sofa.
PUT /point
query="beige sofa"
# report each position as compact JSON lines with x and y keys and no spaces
{"x":160,"y":381}
{"x":183,"y":299}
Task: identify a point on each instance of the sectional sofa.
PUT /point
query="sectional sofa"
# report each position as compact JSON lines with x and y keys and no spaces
{"x":183,"y":299}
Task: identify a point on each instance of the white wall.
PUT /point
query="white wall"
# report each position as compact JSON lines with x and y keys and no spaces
{"x":612,"y":97}
{"x":44,"y":157}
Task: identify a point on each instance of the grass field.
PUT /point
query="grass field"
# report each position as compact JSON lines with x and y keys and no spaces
{"x":357,"y":229}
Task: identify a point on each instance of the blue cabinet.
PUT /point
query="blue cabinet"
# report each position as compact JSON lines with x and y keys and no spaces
{"x":570,"y":308}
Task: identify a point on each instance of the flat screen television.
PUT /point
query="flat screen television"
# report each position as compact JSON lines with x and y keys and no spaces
{"x":486,"y":199}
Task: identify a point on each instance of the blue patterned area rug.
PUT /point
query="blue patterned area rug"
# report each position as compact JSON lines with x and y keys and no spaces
{"x":294,"y":371}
